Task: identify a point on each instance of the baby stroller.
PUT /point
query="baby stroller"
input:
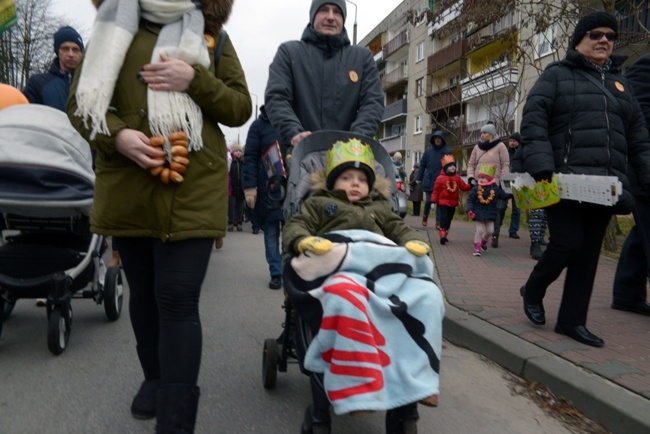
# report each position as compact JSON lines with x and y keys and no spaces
{"x":300,"y":330}
{"x":46,"y":248}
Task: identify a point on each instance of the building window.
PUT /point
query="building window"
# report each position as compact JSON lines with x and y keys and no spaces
{"x":418,"y":124}
{"x":420,"y":52}
{"x":419,"y":87}
{"x":545,"y":42}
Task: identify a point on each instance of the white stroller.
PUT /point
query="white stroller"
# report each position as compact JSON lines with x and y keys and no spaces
{"x":46,"y":193}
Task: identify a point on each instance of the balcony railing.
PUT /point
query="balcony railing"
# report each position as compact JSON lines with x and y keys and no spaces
{"x":396,"y":43}
{"x":394,"y":143}
{"x":500,"y":76}
{"x":444,"y":99}
{"x":394,"y":77}
{"x":446,"y":56}
{"x":629,"y":29}
{"x":394,"y":110}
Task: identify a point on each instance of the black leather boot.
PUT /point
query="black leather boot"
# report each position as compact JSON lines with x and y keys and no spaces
{"x":536,"y":251}
{"x":176,"y":408}
{"x":144,"y":402}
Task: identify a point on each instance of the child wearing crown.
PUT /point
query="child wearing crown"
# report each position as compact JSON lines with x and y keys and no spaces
{"x":350,"y":195}
{"x":445,"y":194}
{"x":482,"y":206}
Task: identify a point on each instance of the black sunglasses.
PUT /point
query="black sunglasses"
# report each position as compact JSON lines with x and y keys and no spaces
{"x":596,"y":35}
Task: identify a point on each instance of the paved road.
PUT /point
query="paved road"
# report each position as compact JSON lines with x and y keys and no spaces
{"x":88,"y":389}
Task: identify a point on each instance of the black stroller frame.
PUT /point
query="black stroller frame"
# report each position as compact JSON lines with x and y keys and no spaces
{"x":46,"y":248}
{"x":291,"y":346}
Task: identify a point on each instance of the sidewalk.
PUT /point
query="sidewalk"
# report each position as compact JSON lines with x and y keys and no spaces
{"x":610,"y":385}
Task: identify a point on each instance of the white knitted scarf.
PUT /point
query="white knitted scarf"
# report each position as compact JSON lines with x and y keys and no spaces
{"x":115,"y":26}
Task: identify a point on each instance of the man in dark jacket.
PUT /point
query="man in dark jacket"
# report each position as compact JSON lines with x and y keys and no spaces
{"x":255,"y":180}
{"x":581,"y":118}
{"x":430,"y":167}
{"x":631,"y":277}
{"x":513,"y":144}
{"x":322,"y":82}
{"x":52,"y":88}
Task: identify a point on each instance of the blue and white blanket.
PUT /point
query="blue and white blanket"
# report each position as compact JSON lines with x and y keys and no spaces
{"x":378,"y":317}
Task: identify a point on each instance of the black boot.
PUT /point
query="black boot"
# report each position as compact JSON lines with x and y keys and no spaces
{"x":535,"y":251}
{"x":176,"y":408}
{"x":402,"y":420}
{"x":144,"y":402}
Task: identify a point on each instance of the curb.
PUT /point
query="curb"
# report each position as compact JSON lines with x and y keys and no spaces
{"x":616,"y":408}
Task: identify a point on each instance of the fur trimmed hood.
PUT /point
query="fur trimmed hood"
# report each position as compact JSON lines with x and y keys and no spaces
{"x":380,"y":187}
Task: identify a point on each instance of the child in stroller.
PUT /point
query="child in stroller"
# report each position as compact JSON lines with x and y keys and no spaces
{"x":360,"y":281}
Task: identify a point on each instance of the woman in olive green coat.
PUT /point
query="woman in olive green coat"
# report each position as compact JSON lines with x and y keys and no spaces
{"x":131,"y":86}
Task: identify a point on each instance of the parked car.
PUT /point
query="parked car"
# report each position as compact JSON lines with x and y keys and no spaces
{"x":402,"y":205}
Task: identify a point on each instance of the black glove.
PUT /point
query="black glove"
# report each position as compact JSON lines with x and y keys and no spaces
{"x":544,"y":175}
{"x":472,"y":182}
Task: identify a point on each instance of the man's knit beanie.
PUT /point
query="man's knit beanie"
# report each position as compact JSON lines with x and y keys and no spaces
{"x":316,"y":5}
{"x":67,"y":34}
{"x":591,"y":21}
{"x":517,"y":137}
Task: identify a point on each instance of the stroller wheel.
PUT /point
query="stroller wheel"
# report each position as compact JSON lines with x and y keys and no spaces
{"x":270,"y":363}
{"x":309,"y":427}
{"x":113,"y":293}
{"x":59,"y":327}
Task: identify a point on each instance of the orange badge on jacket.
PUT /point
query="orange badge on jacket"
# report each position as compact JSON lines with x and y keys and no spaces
{"x":209,"y":41}
{"x":619,"y":86}
{"x":354,"y":77}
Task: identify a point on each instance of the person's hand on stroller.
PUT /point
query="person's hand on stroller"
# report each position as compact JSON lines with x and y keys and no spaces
{"x":417,"y":248}
{"x":251,"y":197}
{"x":135,"y":145}
{"x":317,"y":245}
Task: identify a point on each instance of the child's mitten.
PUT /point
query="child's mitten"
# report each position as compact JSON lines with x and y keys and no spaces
{"x":317,"y":245}
{"x":417,"y":248}
{"x":471,"y":215}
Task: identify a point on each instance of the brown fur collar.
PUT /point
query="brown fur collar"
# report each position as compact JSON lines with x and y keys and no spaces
{"x":381,"y":187}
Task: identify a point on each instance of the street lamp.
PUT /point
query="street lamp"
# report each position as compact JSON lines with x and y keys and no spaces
{"x":354,"y":31}
{"x":255,"y":104}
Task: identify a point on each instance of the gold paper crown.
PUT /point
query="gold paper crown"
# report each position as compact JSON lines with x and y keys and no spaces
{"x":447,"y":159}
{"x":352,"y":151}
{"x":487,"y":169}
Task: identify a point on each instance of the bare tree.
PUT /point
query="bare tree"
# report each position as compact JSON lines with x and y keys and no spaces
{"x":26,"y":48}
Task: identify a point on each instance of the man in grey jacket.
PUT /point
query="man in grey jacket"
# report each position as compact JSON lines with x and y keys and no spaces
{"x":322,"y":82}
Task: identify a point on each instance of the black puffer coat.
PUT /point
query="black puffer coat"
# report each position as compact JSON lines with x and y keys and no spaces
{"x":570,"y":126}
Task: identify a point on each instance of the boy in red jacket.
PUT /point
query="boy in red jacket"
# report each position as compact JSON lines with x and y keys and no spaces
{"x":445,"y":194}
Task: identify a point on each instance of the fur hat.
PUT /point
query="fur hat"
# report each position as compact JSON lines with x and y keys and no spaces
{"x":348,"y":155}
{"x":490,"y":129}
{"x":447,"y":160}
{"x":67,"y":34}
{"x":397,"y":155}
{"x":316,"y":5}
{"x":486,"y":171}
{"x":591,"y":21}
{"x":516,"y":136}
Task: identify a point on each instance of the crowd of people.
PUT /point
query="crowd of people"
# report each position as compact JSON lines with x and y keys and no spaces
{"x":580,"y":118}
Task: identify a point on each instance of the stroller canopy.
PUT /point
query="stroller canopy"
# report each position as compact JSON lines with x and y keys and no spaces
{"x":45,"y":165}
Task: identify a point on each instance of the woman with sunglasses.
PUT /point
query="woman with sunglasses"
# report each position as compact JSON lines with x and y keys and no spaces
{"x":581,"y":118}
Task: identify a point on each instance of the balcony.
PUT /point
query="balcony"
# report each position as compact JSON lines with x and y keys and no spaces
{"x":504,"y":26}
{"x":629,"y":29}
{"x":446,"y":56}
{"x":397,"y":45}
{"x":444,"y":99}
{"x":394,"y":78}
{"x":394,"y":143}
{"x":498,"y":77}
{"x":394,"y":111}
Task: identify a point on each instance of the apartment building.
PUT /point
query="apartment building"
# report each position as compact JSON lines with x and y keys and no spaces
{"x":455,"y":65}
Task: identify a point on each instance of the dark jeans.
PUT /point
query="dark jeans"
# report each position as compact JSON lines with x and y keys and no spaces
{"x":446,"y":216}
{"x":235,"y":209}
{"x":577,"y":231}
{"x":515,"y":215}
{"x":165,"y":281}
{"x":272,"y":246}
{"x":416,"y":208}
{"x":427,"y":206}
{"x":633,"y":267}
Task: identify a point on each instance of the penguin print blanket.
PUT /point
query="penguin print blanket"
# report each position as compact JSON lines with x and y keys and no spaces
{"x":377,"y":318}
